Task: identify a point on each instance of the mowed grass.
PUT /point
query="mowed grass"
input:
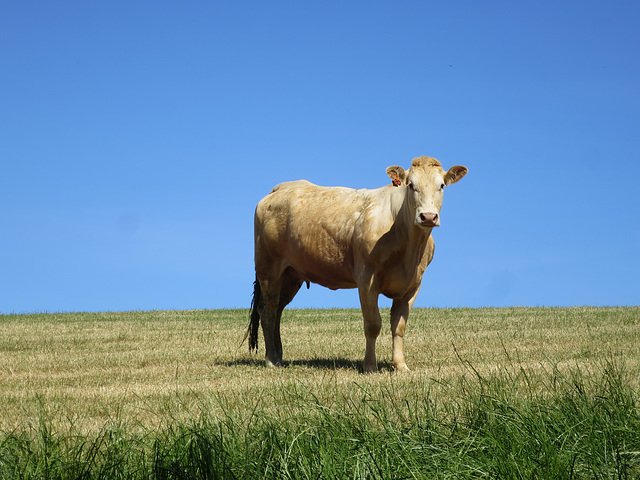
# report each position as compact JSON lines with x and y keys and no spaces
{"x":493,"y":393}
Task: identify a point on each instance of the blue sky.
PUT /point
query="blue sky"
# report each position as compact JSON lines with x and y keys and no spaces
{"x":137,"y":137}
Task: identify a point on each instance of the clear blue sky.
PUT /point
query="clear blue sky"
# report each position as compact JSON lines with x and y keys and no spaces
{"x":137,"y":137}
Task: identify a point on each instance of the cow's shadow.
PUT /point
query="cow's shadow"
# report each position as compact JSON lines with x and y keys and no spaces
{"x":329,"y":364}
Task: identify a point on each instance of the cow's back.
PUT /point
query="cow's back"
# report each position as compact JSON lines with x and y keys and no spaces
{"x":309,"y":229}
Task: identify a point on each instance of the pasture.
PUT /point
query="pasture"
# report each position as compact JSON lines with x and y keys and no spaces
{"x":492,"y":393}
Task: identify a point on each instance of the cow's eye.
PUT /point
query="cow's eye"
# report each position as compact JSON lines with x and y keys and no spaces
{"x":410,"y":185}
{"x":442,"y":187}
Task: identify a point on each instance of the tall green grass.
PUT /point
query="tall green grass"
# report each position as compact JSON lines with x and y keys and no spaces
{"x":565,"y":424}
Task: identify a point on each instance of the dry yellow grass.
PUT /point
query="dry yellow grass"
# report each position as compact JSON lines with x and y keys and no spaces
{"x":82,"y":370}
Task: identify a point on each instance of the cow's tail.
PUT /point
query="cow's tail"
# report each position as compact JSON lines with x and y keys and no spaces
{"x":254,"y":319}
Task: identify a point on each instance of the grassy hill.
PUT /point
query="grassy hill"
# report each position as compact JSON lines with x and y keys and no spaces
{"x":493,"y":393}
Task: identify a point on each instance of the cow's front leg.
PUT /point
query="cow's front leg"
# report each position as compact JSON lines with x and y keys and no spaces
{"x":399,"y":315}
{"x":372,"y":326}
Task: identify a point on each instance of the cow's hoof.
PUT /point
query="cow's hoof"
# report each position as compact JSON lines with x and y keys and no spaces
{"x":370,"y":368}
{"x":402,"y":367}
{"x":274,"y":363}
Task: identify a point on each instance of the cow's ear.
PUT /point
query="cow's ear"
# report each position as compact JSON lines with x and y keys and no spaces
{"x":454,"y":174}
{"x":396,"y":174}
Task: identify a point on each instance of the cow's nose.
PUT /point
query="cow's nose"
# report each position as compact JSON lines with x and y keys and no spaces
{"x":429,"y":219}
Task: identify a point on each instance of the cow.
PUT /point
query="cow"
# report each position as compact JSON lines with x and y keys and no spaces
{"x":378,"y":241}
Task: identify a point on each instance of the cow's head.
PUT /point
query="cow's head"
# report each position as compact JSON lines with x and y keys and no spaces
{"x":424,"y":183}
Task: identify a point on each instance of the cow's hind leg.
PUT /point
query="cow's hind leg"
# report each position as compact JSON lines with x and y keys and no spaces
{"x":271,"y":289}
{"x":290,"y":286}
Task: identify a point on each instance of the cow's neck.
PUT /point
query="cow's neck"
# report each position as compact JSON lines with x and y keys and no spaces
{"x":413,"y":238}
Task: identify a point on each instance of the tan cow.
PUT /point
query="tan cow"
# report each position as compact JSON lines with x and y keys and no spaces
{"x":378,"y":241}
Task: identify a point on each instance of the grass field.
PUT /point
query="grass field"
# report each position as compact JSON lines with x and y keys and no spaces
{"x":493,"y":393}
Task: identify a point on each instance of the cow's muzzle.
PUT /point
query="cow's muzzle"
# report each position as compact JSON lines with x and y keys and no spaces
{"x":428,"y":219}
